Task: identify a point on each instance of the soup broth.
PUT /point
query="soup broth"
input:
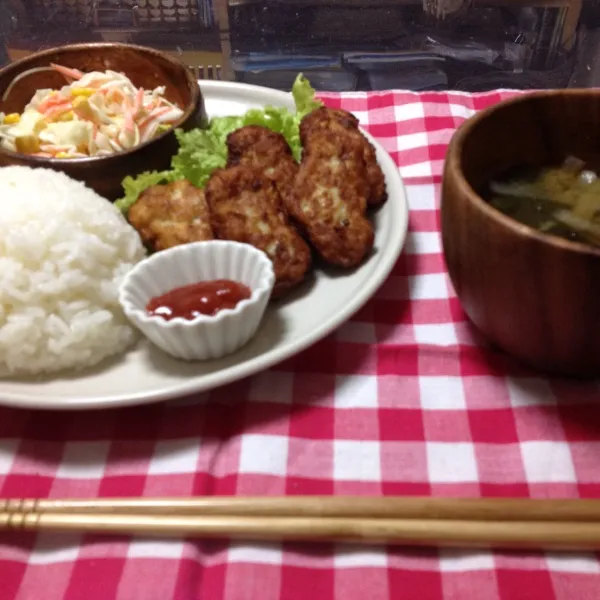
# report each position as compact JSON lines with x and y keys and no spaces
{"x":563,"y":200}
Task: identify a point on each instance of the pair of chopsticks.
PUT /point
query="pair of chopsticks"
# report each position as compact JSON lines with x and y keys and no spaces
{"x":409,"y":521}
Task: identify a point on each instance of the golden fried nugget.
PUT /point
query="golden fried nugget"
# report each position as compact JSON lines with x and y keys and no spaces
{"x":246,"y":207}
{"x":321,"y":118}
{"x":259,"y":147}
{"x":330,"y":200}
{"x":342,"y":123}
{"x":256,"y":144}
{"x":170,"y":215}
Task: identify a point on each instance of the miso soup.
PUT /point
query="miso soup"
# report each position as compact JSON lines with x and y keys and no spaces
{"x":563,"y":200}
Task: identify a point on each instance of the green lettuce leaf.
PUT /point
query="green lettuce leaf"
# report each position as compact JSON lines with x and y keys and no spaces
{"x":304,"y":97}
{"x":201,"y":151}
{"x":134,"y":186}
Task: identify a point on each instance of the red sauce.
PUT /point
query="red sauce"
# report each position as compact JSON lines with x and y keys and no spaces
{"x":204,"y":298}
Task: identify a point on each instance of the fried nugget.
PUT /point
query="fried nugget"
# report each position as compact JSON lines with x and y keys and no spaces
{"x":342,"y":123}
{"x":170,"y":215}
{"x":322,"y":117}
{"x":330,"y":200}
{"x":246,"y":207}
{"x":259,"y":147}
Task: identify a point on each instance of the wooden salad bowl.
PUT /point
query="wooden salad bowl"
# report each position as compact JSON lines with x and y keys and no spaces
{"x":147,"y":68}
{"x":534,"y":295}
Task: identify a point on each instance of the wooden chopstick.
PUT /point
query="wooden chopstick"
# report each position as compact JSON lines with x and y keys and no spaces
{"x":555,"y":535}
{"x":468,"y":509}
{"x":474,"y":523}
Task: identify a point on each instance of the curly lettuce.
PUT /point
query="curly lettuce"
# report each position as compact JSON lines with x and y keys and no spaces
{"x":201,"y":151}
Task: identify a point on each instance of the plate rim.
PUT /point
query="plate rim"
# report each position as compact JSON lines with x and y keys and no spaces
{"x":275,"y":355}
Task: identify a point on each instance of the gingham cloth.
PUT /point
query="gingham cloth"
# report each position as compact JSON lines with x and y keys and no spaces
{"x":405,"y":398}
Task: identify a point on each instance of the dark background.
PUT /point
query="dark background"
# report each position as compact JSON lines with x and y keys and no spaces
{"x":470,"y":45}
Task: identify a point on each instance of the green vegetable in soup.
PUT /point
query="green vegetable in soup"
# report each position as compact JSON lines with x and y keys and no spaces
{"x":562,"y":201}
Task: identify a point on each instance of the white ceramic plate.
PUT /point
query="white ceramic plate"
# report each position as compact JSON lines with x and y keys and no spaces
{"x":145,"y":374}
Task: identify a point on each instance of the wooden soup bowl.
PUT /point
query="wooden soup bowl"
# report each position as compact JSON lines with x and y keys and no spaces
{"x":534,"y":295}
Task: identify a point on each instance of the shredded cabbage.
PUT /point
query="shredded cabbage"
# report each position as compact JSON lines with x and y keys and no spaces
{"x":96,"y":114}
{"x":201,"y":151}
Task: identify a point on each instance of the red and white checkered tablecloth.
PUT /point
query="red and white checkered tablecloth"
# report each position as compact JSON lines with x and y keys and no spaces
{"x":405,"y":398}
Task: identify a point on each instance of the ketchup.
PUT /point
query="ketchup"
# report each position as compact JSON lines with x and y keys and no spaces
{"x":204,"y":298}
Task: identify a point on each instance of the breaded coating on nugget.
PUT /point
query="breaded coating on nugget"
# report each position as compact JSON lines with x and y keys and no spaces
{"x":342,"y":123}
{"x":171,"y":214}
{"x":246,"y":207}
{"x":257,"y":146}
{"x":321,"y":117}
{"x":330,"y":200}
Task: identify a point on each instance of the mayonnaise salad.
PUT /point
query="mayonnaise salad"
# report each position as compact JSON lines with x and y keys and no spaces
{"x":96,"y":114}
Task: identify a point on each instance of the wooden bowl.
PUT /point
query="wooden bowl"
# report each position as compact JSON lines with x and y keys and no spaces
{"x":147,"y":68}
{"x":534,"y":295}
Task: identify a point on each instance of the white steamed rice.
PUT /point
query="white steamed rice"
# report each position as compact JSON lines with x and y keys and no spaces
{"x":63,"y":252}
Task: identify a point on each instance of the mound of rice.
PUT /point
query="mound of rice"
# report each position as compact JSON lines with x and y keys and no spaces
{"x":63,"y":252}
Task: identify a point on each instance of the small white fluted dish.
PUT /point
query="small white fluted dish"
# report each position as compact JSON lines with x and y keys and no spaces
{"x":206,"y":336}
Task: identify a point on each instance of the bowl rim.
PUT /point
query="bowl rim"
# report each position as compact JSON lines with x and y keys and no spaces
{"x":196,"y":96}
{"x":144,"y":268}
{"x":454,"y":164}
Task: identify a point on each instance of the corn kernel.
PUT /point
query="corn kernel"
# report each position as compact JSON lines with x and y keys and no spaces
{"x":66,"y":116}
{"x":27,"y":144}
{"x":83,"y":108}
{"x":82,"y":92}
{"x":62,"y":155}
{"x":12,"y":118}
